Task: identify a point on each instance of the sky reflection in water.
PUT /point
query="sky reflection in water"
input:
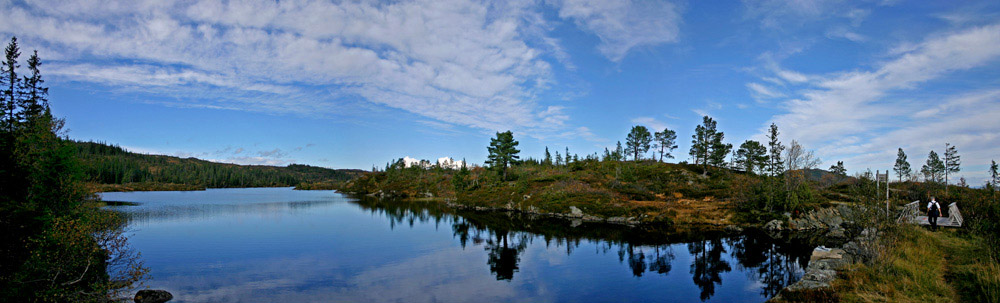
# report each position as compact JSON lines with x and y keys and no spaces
{"x":276,"y":244}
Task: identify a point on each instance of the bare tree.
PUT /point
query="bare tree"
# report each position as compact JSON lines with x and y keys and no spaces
{"x":797,"y":157}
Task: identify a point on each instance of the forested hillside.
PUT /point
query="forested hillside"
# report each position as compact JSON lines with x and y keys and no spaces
{"x":110,"y":164}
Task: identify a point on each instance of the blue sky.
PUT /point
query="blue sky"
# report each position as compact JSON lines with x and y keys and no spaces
{"x":357,"y":83}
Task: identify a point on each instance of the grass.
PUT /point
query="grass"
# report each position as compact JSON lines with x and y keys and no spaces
{"x":944,"y":266}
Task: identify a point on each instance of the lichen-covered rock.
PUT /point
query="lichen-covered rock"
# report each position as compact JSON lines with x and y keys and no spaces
{"x":822,"y":270}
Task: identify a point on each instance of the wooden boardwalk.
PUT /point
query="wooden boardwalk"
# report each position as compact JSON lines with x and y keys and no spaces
{"x":912,"y":214}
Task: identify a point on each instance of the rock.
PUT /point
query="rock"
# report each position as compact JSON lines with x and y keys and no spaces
{"x":733,"y":229}
{"x":575,"y":212}
{"x":773,"y":225}
{"x":152,"y":296}
{"x":428,"y":195}
{"x":837,"y":232}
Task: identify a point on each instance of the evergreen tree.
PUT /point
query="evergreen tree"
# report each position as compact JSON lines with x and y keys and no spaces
{"x":638,"y":141}
{"x":548,"y":157}
{"x":993,"y":174}
{"x":619,"y":152}
{"x":502,"y":152}
{"x":775,"y":163}
{"x":9,"y":80}
{"x":838,"y":169}
{"x":666,"y":143}
{"x":902,"y":167}
{"x":567,"y":156}
{"x":701,"y":142}
{"x":952,"y":163}
{"x":34,"y":101}
{"x":934,"y":168}
{"x":559,"y":159}
{"x":720,"y":151}
{"x":751,"y":157}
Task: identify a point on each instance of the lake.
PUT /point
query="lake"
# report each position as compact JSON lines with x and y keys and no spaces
{"x":284,"y":245}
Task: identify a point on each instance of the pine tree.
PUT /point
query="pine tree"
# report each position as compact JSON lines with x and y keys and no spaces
{"x":838,"y":169}
{"x":933,"y":168}
{"x":638,"y":141}
{"x":502,"y":152}
{"x":701,"y":142}
{"x":902,"y":167}
{"x":666,"y":142}
{"x":559,"y":159}
{"x":719,"y":152}
{"x":751,"y":157}
{"x":952,"y":163}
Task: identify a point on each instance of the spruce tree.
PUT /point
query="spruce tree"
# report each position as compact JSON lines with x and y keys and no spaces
{"x":502,"y":152}
{"x":993,"y":174}
{"x":33,"y":94}
{"x":10,"y":82}
{"x":776,"y":164}
{"x":548,"y":157}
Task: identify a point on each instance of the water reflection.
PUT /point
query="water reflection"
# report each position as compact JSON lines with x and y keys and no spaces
{"x":771,"y":262}
{"x":265,"y":245}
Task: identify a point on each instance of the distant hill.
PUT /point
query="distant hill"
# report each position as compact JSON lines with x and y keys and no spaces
{"x":111,"y":164}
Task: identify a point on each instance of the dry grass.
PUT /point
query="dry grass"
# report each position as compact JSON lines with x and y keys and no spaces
{"x":927,"y":266}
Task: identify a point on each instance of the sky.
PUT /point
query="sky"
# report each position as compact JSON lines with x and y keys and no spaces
{"x":356,"y":84}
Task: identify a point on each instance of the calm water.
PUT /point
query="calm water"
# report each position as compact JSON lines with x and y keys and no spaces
{"x":282,"y":245}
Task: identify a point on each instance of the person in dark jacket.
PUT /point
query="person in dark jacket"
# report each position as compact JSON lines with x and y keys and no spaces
{"x":933,"y":212}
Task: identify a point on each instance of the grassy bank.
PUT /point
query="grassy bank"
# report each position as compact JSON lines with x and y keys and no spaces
{"x":945,"y":266}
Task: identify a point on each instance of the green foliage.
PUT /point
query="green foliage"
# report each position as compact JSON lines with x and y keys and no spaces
{"x":638,"y":142}
{"x":55,"y":247}
{"x":934,"y":169}
{"x":503,"y":152}
{"x":751,"y":157}
{"x":838,"y":169}
{"x":666,"y":142}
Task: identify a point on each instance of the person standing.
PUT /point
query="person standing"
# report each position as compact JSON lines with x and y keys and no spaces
{"x":933,"y":212}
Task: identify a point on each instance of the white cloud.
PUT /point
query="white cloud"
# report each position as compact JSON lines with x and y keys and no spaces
{"x":653,"y":124}
{"x":763,"y":92}
{"x":624,"y":25}
{"x":864,"y":104}
{"x":456,"y":61}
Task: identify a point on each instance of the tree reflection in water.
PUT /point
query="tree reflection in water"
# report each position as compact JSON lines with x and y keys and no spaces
{"x":505,"y":235}
{"x":708,"y":265}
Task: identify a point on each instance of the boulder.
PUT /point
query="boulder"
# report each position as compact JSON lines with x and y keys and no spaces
{"x":152,"y":296}
{"x":774,"y":225}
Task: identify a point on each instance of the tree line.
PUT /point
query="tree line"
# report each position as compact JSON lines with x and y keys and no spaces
{"x":111,"y":164}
